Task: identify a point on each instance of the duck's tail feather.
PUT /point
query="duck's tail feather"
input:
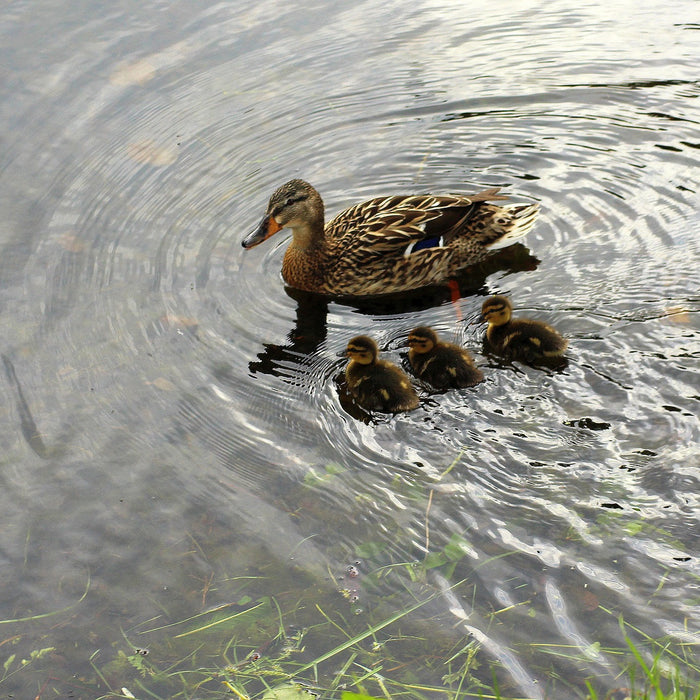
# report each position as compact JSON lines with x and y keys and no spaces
{"x":515,"y":222}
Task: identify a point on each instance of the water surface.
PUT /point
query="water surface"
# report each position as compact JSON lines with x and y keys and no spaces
{"x":171,"y":421}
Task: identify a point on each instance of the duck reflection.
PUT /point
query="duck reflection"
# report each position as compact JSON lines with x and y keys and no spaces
{"x":310,"y":327}
{"x":308,"y":333}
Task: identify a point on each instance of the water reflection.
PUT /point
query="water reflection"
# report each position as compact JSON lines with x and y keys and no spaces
{"x":304,"y":338}
{"x":310,"y":327}
{"x":172,"y":424}
{"x":26,"y":420}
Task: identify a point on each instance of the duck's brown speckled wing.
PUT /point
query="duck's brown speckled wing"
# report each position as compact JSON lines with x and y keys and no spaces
{"x":409,"y":238}
{"x":393,"y":223}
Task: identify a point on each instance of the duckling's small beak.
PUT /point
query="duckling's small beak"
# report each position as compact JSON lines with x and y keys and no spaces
{"x":268,"y":226}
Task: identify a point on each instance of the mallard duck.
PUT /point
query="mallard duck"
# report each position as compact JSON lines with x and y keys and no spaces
{"x":519,"y":339}
{"x":387,"y":244}
{"x":377,"y":385}
{"x":440,"y":364}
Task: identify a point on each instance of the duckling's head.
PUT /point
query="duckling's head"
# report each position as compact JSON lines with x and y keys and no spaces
{"x":422,"y":339}
{"x":362,"y":349}
{"x":496,"y":310}
{"x":296,"y":205}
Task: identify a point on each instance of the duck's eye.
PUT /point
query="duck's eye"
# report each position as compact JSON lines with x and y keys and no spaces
{"x":294,"y":199}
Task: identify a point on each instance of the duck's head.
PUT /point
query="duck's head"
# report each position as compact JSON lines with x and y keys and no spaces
{"x":362,"y":349}
{"x":296,"y":205}
{"x":422,"y":339}
{"x":496,"y":310}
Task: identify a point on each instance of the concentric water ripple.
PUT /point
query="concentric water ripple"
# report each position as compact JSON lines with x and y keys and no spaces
{"x":160,"y":381}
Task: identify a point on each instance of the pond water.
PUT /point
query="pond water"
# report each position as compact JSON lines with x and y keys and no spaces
{"x":172,"y":434}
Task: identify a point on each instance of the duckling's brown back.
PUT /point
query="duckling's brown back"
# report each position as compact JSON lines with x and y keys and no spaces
{"x":526,"y":339}
{"x":382,"y":387}
{"x":446,"y":366}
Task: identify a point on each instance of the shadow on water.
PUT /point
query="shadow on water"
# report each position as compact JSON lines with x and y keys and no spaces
{"x":176,"y":425}
{"x":310,"y":328}
{"x":308,"y":333}
{"x":28,"y":426}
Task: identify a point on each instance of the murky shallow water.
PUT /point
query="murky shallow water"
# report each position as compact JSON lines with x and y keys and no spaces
{"x":170,"y":419}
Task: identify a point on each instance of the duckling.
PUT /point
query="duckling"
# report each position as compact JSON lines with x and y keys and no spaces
{"x":519,"y":339}
{"x":440,"y":364}
{"x":377,"y":385}
{"x":387,"y":244}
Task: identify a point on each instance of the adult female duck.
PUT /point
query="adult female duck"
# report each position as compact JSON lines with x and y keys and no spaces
{"x":388,"y":244}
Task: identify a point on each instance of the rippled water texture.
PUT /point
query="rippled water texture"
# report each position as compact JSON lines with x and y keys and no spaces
{"x":168,"y":404}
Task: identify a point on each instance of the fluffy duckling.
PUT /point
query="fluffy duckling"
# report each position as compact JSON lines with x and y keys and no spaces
{"x":377,"y":385}
{"x":519,"y":339}
{"x":440,"y":364}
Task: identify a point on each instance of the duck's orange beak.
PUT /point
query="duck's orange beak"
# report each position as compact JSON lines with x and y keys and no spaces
{"x":268,"y":226}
